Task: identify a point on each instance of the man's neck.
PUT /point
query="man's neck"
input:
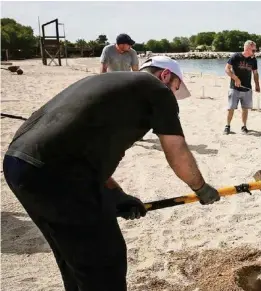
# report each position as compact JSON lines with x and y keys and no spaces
{"x":118,"y":49}
{"x":245,"y":54}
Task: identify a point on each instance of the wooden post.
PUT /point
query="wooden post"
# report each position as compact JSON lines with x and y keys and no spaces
{"x":40,"y":41}
{"x":43,"y":49}
{"x":58,"y":42}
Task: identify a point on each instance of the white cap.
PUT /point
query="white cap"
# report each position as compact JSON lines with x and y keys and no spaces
{"x":165,"y":62}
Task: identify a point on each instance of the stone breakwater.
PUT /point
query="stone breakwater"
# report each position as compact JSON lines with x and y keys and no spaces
{"x":198,"y":55}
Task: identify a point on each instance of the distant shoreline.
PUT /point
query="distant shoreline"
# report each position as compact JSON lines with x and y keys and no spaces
{"x":177,"y":56}
{"x":198,"y":55}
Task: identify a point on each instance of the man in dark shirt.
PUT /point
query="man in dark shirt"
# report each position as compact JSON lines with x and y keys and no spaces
{"x":61,"y":160}
{"x":239,"y":68}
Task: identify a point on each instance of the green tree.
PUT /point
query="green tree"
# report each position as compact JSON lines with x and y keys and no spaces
{"x":7,"y":21}
{"x":219,"y":42}
{"x":139,"y":47}
{"x":102,"y":39}
{"x":258,"y":42}
{"x":81,"y":44}
{"x":180,"y":44}
{"x":17,"y":36}
{"x":165,"y":45}
{"x":234,"y":40}
{"x":93,"y":45}
{"x":185,"y":44}
{"x":192,"y":41}
{"x":5,"y":39}
{"x":204,"y":38}
{"x":69,"y":44}
{"x":154,"y":46}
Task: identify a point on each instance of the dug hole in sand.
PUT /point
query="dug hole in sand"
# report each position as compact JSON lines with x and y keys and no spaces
{"x":212,"y":270}
{"x":184,"y":248}
{"x":249,"y":278}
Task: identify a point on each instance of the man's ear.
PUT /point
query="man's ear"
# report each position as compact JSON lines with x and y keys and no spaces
{"x":165,"y":76}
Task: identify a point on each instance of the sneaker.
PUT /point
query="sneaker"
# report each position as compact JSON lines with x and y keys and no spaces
{"x":227,"y":129}
{"x":244,"y":129}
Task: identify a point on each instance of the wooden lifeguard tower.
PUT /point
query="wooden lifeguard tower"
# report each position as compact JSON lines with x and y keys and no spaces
{"x":50,"y":45}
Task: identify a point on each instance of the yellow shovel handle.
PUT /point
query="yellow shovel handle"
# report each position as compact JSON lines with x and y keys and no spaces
{"x":190,"y":198}
{"x":226,"y":191}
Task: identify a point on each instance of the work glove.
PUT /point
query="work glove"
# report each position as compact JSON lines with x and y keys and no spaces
{"x":207,"y":194}
{"x":129,"y":207}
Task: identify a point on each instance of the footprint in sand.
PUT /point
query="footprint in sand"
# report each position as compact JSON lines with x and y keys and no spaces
{"x":31,"y":279}
{"x":166,"y":232}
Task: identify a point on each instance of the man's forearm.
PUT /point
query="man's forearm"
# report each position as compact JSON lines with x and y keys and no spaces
{"x":135,"y":68}
{"x":112,"y":184}
{"x":231,"y":74}
{"x":256,"y":79}
{"x":185,"y":167}
{"x":103,"y":69}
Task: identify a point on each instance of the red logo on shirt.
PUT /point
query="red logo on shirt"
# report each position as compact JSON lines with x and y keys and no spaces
{"x":245,"y":66}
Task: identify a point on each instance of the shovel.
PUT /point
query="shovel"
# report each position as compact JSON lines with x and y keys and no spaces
{"x":226,"y":191}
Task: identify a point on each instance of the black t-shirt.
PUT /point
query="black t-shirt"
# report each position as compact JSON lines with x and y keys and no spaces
{"x":91,"y":123}
{"x":242,"y":68}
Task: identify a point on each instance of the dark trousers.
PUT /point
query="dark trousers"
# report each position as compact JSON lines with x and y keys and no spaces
{"x":76,"y":219}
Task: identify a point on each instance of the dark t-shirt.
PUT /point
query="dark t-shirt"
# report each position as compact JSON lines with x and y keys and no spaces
{"x":90,"y":124}
{"x":242,"y":68}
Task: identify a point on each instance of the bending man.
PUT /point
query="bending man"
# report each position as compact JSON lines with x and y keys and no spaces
{"x":61,"y":160}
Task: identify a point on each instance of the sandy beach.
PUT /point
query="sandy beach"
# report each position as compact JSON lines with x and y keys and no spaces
{"x":184,"y":248}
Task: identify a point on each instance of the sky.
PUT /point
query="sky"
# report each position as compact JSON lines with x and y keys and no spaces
{"x":141,"y":20}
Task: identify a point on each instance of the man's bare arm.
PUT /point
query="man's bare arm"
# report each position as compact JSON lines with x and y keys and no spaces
{"x":104,"y":68}
{"x":135,"y":68}
{"x":112,"y":184}
{"x":181,"y":160}
{"x":134,"y":60}
{"x":256,"y":77}
{"x":228,"y":70}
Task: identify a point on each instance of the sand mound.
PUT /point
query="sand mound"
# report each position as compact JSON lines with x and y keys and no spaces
{"x":212,"y":270}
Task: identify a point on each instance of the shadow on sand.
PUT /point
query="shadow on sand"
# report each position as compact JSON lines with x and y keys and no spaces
{"x":20,"y":235}
{"x":254,"y":133}
{"x":200,"y":149}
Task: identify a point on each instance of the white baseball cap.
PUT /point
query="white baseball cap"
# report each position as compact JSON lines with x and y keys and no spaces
{"x":165,"y":62}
